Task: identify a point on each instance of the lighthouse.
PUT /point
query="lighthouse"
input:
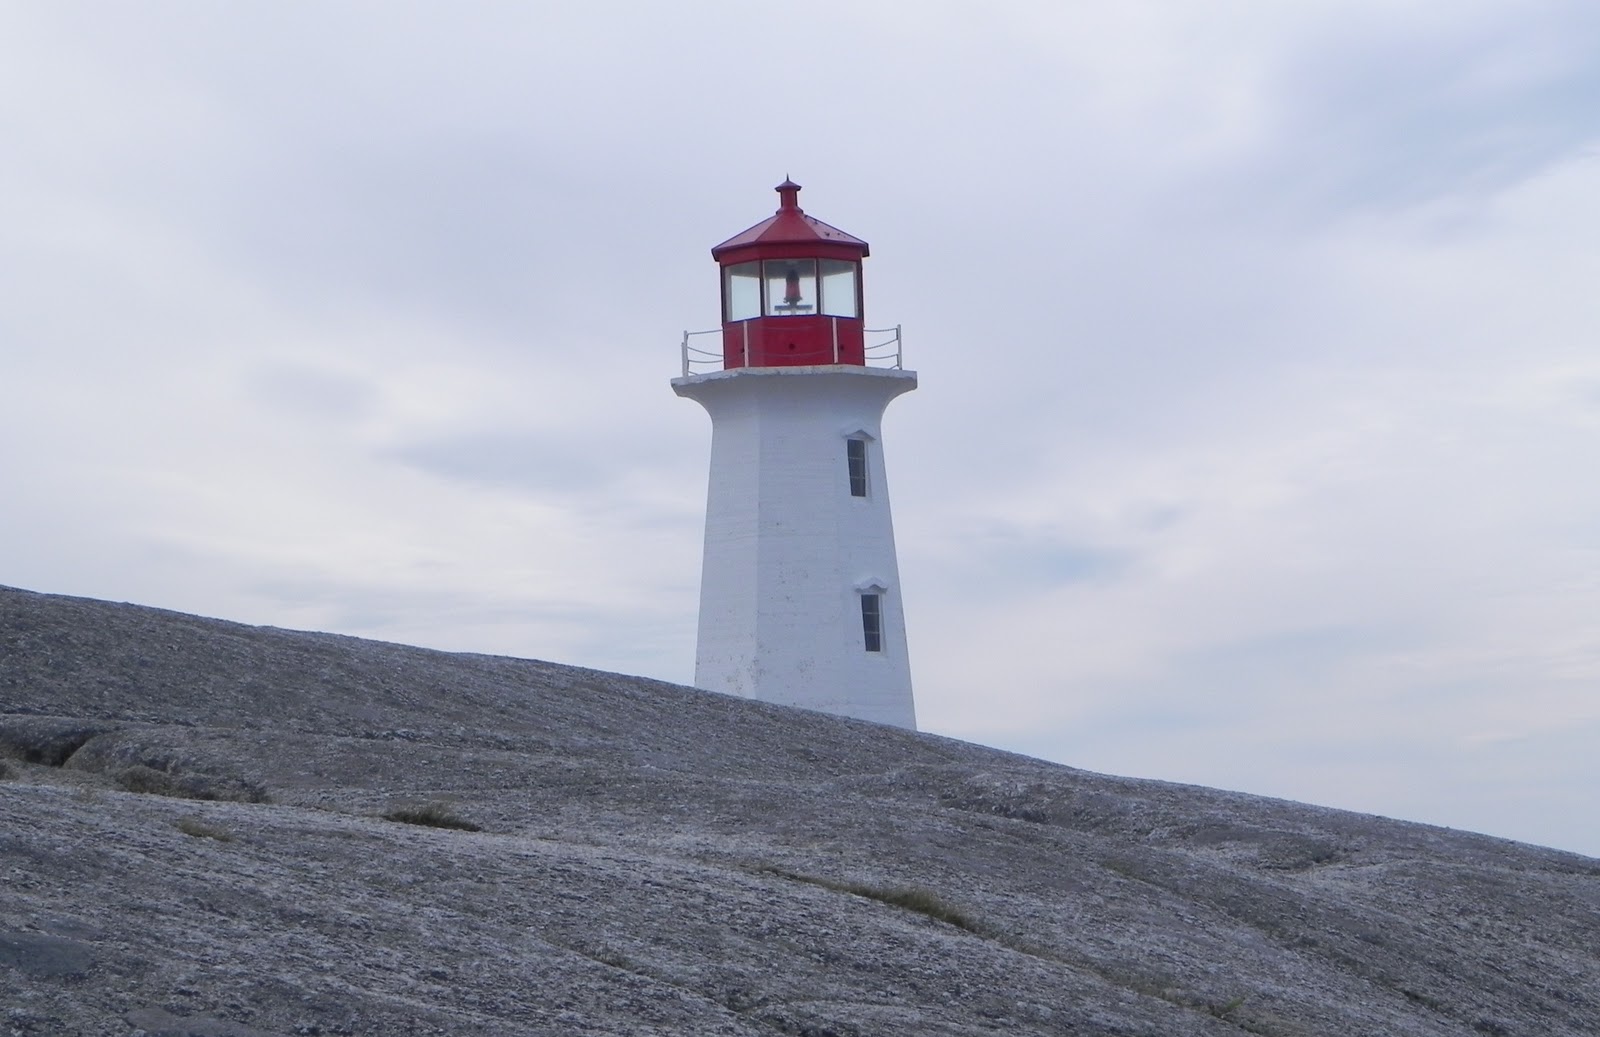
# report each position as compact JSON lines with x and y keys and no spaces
{"x":800,"y":598}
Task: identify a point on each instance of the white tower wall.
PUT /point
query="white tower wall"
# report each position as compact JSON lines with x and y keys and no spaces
{"x":789,"y":550}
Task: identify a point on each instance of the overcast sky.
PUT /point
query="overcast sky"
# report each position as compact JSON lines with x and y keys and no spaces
{"x":1259,"y":347}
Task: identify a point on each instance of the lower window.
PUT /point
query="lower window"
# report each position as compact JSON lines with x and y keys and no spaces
{"x":872,"y":621}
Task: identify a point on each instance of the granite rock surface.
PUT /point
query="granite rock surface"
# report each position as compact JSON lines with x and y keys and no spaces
{"x":194,"y":843}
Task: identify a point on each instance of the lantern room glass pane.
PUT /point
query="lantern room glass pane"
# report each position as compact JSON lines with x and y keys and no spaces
{"x":839,"y":296}
{"x":741,"y":291}
{"x":791,"y":287}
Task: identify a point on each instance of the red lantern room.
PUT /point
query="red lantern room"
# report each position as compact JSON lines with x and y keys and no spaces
{"x":791,"y":291}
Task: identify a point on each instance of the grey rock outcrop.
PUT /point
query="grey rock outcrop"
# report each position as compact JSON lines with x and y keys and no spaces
{"x":193,"y":841}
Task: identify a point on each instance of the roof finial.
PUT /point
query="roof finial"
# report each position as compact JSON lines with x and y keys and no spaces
{"x":788,"y":194}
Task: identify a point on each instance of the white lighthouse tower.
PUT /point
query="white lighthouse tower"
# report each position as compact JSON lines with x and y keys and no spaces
{"x":800,"y":599}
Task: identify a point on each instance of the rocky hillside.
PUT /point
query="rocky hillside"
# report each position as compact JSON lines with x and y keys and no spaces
{"x":211,"y":829}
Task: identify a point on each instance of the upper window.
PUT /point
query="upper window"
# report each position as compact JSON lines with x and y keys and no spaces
{"x":855,"y":455}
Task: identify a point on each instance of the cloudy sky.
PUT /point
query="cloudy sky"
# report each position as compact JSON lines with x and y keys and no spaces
{"x":1259,"y":346}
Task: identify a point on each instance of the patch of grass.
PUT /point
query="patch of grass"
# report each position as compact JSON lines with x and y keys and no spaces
{"x":1126,"y":868}
{"x":922,"y":901}
{"x":433,"y":815}
{"x":200,"y":830}
{"x":909,"y":898}
{"x":1223,"y":1011}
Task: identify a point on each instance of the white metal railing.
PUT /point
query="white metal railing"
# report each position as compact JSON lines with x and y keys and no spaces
{"x":696,"y":360}
{"x":888,"y":352}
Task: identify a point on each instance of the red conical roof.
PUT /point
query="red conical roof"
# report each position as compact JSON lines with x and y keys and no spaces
{"x":789,"y":233}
